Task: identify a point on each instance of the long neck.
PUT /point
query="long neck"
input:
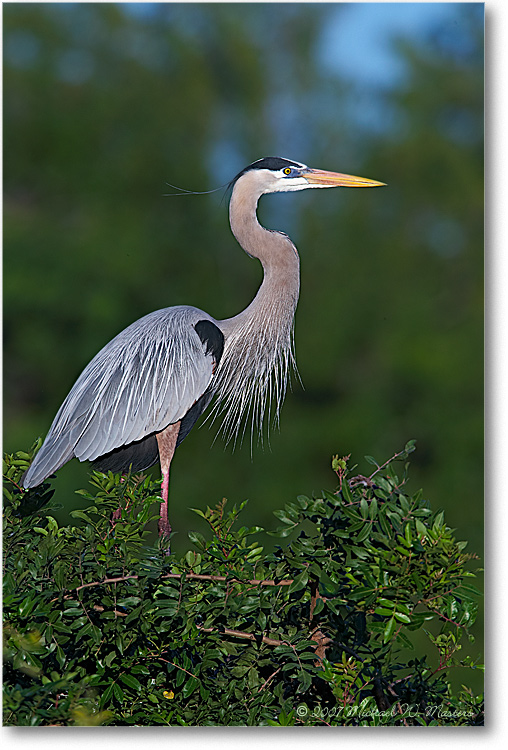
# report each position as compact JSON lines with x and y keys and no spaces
{"x":258,"y":350}
{"x":280,"y":288}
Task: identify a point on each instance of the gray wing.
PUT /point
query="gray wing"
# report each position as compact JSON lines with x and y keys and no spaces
{"x":146,"y":378}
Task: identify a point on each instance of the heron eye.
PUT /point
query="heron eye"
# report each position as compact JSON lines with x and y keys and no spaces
{"x":287,"y":170}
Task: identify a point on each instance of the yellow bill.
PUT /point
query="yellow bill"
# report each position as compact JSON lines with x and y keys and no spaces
{"x":321,"y":178}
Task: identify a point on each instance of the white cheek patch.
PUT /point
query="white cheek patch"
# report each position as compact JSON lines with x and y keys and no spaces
{"x":289,"y":184}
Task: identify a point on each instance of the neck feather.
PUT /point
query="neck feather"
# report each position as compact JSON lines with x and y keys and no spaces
{"x":259,"y":353}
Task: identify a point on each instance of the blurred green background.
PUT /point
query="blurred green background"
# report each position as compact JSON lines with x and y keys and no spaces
{"x":105,"y":103}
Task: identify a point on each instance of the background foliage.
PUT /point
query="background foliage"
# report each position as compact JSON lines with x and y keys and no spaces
{"x":101,"y":628}
{"x":103,"y":104}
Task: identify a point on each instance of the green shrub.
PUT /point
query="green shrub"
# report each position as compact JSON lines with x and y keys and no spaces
{"x":102,"y":628}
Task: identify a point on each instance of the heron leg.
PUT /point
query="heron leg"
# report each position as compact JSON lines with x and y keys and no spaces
{"x":164,"y":525}
{"x":166,"y":441}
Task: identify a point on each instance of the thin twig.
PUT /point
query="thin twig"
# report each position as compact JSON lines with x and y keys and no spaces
{"x":313,"y":598}
{"x":194,"y":576}
{"x":242,"y":634}
{"x":393,"y":458}
{"x":166,"y":661}
{"x":98,"y":608}
{"x":265,"y":683}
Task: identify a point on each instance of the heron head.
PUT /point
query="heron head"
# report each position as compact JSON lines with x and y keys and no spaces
{"x":274,"y":174}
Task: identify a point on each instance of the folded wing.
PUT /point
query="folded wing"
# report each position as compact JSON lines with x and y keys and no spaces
{"x":149,"y":376}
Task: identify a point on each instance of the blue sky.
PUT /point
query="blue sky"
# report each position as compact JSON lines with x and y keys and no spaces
{"x":358,"y":41}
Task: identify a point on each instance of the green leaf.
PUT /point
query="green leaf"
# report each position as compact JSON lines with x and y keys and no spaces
{"x":189,"y":687}
{"x":106,"y":695}
{"x":305,"y":679}
{"x":407,"y":535}
{"x":401,"y":617}
{"x":299,"y":582}
{"x":303,"y":501}
{"x":364,"y":533}
{"x":421,"y":529}
{"x":359,"y":593}
{"x":410,"y":447}
{"x":404,"y":640}
{"x":282,"y":531}
{"x":26,"y":606}
{"x":140,"y":669}
{"x":282,"y":516}
{"x":108,"y":660}
{"x":404,"y":505}
{"x":261,"y":620}
{"x":198,"y":512}
{"x":80,"y":514}
{"x":197,"y":539}
{"x":118,"y":692}
{"x":383,"y":611}
{"x":465,"y":590}
{"x":389,"y":630}
{"x":346,"y":492}
{"x":253,"y":678}
{"x":189,"y":558}
{"x":240,"y":671}
{"x":438,"y":521}
{"x":131,"y":682}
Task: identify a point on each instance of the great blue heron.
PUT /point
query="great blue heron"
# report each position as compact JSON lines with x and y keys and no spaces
{"x":143,"y":392}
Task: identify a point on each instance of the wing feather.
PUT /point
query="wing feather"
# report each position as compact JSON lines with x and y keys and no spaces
{"x":147,"y":377}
